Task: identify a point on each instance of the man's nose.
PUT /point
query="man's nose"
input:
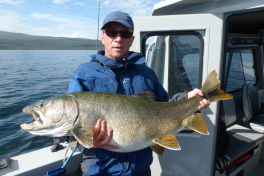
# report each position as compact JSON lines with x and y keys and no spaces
{"x":119,"y":37}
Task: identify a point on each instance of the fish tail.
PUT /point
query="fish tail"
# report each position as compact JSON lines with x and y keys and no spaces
{"x":210,"y":88}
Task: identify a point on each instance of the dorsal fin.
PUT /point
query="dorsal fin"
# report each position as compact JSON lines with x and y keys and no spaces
{"x":148,"y":96}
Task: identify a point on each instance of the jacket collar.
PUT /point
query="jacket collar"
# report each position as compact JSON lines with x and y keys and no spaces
{"x":134,"y":57}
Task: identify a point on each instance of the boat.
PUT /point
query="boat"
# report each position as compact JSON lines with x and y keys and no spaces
{"x":183,"y":41}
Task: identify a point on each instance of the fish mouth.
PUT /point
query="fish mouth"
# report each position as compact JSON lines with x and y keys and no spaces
{"x":36,"y":115}
{"x":38,"y":123}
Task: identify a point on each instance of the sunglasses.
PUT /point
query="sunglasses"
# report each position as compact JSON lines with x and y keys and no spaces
{"x":114,"y":33}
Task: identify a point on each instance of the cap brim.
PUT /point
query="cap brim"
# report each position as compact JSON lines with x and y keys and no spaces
{"x":118,"y":21}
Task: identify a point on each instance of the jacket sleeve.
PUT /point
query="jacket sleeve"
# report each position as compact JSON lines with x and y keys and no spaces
{"x":74,"y":85}
{"x":161,"y":94}
{"x":78,"y":78}
{"x":76,"y":82}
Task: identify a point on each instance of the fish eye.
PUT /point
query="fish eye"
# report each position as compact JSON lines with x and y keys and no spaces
{"x":41,"y":104}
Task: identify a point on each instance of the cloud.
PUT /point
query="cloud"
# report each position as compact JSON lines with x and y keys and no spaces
{"x":10,"y":20}
{"x":133,"y":7}
{"x":12,"y":2}
{"x":40,"y":16}
{"x":77,"y":35}
{"x":60,"y":1}
{"x":56,"y":25}
{"x":80,"y":4}
{"x":59,"y":18}
{"x":64,"y":25}
{"x":84,"y":28}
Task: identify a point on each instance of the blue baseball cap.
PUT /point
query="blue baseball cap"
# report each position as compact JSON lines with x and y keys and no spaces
{"x":119,"y":17}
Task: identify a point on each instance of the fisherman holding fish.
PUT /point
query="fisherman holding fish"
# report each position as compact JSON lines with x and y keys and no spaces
{"x":118,"y":70}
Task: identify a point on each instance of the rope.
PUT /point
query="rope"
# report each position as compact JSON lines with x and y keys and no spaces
{"x":60,"y":171}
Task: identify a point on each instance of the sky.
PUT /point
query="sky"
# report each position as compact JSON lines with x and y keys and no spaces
{"x":65,"y":18}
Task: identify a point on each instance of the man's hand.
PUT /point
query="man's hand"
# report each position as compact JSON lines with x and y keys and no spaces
{"x":102,"y":136}
{"x":203,"y":104}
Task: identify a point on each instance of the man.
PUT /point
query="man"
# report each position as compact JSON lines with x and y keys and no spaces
{"x":117,"y":70}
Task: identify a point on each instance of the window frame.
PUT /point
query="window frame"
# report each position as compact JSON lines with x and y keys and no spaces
{"x":173,"y":32}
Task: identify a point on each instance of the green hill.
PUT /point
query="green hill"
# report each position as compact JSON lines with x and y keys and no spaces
{"x":17,"y":41}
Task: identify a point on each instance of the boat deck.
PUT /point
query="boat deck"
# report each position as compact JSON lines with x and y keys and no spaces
{"x":259,"y":171}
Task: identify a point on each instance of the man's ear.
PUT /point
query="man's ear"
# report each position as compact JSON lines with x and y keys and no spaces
{"x":132,"y":39}
{"x":102,"y":37}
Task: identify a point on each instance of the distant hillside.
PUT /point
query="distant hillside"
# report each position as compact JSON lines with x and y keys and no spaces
{"x":17,"y":41}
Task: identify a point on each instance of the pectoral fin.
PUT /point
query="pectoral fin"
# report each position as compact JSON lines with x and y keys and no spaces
{"x":84,"y":135}
{"x":197,"y":123}
{"x":158,"y":149}
{"x":169,"y":142}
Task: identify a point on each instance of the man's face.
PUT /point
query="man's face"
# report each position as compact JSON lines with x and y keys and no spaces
{"x":116,"y":48}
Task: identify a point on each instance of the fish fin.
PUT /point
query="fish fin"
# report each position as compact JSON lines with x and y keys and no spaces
{"x":169,"y":142}
{"x":197,"y":123}
{"x":210,"y":88}
{"x":149,"y":96}
{"x":71,"y":145}
{"x":84,"y":135}
{"x":158,"y":149}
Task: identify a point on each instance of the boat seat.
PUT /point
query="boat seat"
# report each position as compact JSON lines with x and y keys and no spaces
{"x":251,"y":105}
{"x":242,"y":140}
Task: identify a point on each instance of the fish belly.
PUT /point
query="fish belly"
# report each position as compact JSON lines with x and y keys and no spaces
{"x":130,"y":147}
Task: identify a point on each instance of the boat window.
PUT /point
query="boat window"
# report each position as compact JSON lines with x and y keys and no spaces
{"x":175,"y":59}
{"x":241,"y":69}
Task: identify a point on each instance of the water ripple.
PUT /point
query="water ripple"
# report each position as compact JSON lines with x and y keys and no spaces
{"x":28,"y":76}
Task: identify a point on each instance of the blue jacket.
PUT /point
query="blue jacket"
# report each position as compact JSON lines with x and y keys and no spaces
{"x":127,"y":77}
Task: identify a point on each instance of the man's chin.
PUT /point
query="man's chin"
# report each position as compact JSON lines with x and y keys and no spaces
{"x":118,"y":57}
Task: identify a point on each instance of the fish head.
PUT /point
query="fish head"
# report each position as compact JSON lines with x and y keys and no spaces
{"x":54,"y":117}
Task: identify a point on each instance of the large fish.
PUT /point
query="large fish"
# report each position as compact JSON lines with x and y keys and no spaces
{"x":138,"y":121}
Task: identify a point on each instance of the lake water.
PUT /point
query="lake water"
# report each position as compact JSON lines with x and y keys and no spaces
{"x":28,"y":76}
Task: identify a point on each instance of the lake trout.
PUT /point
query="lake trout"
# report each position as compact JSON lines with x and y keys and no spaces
{"x":138,"y":121}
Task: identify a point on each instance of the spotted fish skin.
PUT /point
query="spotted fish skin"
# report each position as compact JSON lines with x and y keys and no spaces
{"x":138,"y":121}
